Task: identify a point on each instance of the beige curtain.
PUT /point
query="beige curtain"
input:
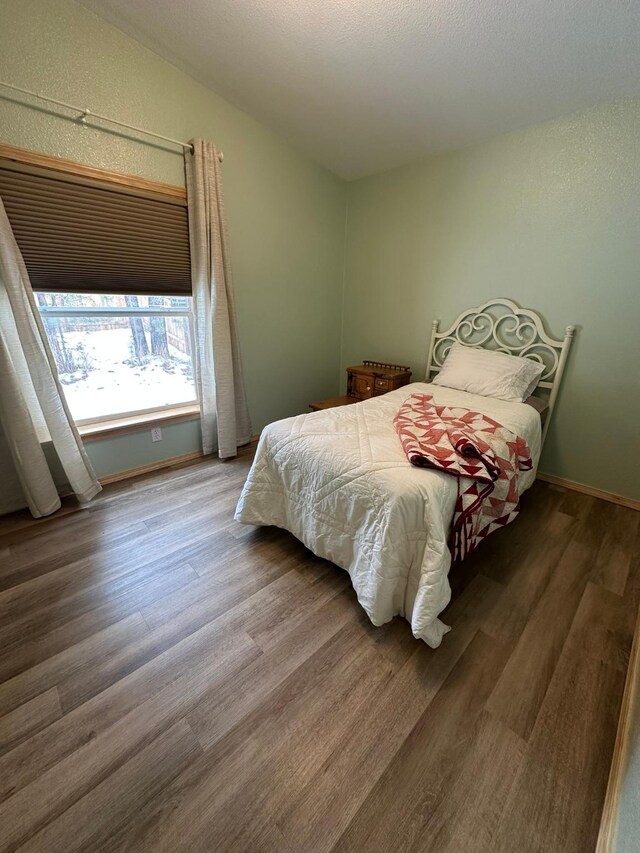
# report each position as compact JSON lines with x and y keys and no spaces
{"x":225,"y":418}
{"x":32,"y":404}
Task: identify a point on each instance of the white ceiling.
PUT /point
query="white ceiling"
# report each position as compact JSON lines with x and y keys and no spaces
{"x":365,"y":85}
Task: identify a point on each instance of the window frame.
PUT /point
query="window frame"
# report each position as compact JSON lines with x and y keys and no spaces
{"x":138,"y":415}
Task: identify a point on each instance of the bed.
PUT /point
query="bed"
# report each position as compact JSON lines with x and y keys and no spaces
{"x":340,"y":482}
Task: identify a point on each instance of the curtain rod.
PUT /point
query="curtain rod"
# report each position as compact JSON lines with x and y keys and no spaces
{"x":85,"y":114}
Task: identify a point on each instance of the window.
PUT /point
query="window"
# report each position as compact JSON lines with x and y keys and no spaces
{"x":108,"y":257}
{"x":120,"y":354}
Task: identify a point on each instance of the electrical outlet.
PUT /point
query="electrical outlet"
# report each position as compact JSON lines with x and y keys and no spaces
{"x":156,"y":434}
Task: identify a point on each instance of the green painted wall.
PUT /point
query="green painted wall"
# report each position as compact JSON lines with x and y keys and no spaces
{"x":286,"y":214}
{"x":549,"y":217}
{"x":138,"y":445}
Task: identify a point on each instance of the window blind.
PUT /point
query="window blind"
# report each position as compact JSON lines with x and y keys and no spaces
{"x":80,"y":234}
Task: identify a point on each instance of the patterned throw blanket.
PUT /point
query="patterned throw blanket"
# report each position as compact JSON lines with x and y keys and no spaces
{"x":483,"y":455}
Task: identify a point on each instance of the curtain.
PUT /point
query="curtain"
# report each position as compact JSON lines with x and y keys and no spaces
{"x":32,"y":404}
{"x":224,"y":413}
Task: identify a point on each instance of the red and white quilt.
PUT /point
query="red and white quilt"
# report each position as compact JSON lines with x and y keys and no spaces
{"x":484,"y":456}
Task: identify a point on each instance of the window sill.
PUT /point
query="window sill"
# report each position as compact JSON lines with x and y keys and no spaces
{"x":133,"y":423}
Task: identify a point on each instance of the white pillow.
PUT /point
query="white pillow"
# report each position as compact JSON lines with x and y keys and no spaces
{"x":489,"y":373}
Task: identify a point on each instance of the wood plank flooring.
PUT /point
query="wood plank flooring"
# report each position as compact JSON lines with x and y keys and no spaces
{"x":173,"y":681}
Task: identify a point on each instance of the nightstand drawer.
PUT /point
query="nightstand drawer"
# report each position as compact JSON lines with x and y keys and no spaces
{"x":382,"y":385}
{"x":361,"y":386}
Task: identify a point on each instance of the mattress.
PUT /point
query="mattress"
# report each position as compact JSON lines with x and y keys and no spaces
{"x":340,"y":482}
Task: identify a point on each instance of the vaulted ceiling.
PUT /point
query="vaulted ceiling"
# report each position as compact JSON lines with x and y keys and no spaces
{"x":365,"y":85}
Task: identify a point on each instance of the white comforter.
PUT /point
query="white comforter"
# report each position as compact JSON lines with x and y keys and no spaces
{"x":340,"y":482}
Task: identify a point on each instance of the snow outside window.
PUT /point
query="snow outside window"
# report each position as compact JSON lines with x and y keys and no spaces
{"x":120,"y":355}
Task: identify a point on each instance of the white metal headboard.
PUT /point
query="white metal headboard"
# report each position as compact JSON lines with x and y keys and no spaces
{"x":503,"y":326}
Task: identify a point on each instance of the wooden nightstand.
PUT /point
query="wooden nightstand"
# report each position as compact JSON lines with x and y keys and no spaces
{"x":366,"y":380}
{"x":332,"y":402}
{"x":372,"y":378}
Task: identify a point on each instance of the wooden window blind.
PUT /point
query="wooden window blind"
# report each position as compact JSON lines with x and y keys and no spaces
{"x":80,"y":233}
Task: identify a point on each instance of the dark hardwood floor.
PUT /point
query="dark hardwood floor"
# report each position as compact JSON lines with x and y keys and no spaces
{"x":173,"y":681}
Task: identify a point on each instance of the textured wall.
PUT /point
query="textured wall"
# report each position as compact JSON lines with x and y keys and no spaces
{"x":365,"y":85}
{"x":549,"y":217}
{"x":286,"y":215}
